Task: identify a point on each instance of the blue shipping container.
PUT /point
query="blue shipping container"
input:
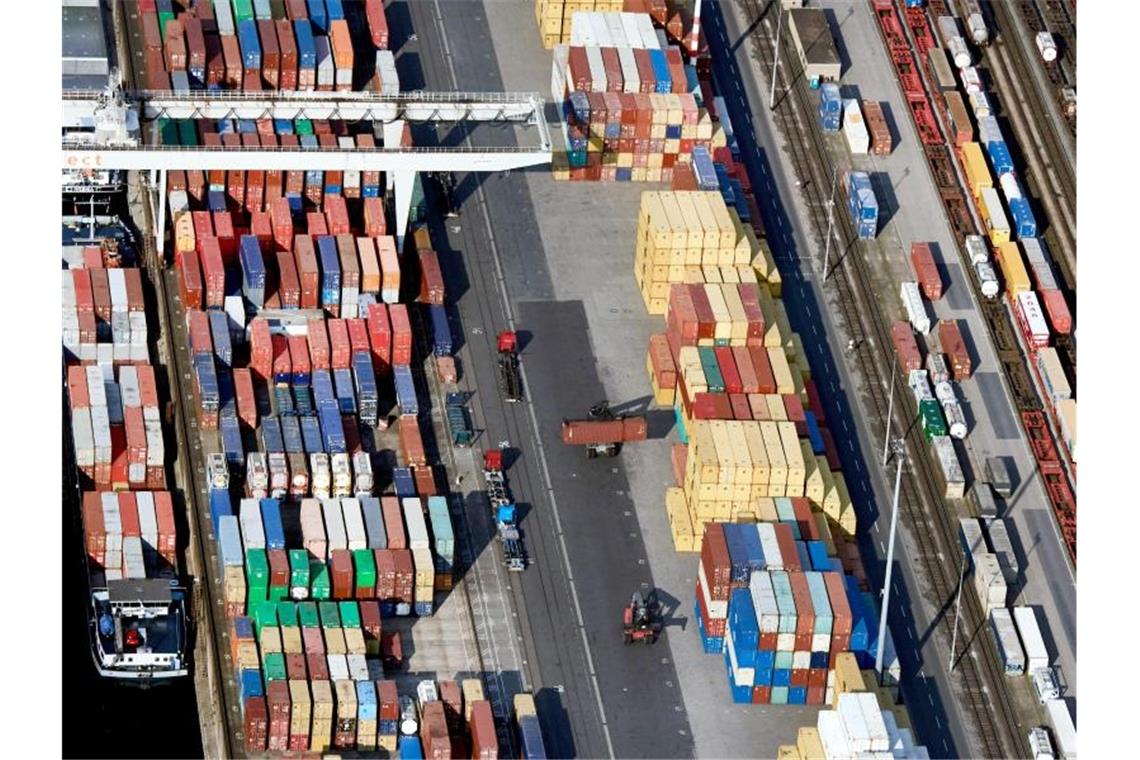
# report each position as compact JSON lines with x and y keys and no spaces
{"x":250,"y":44}
{"x":220,"y":333}
{"x":271,"y":521}
{"x":219,"y":506}
{"x":814,"y":434}
{"x":403,"y":482}
{"x":346,"y":400}
{"x":272,"y":442}
{"x":330,"y":270}
{"x":207,"y":381}
{"x":405,"y":389}
{"x":306,"y":46}
{"x":227,"y":404}
{"x":216,"y":200}
{"x":830,"y":107}
{"x":1024,"y":222}
{"x":862,"y":204}
{"x":817,"y":551}
{"x":291,"y":432}
{"x":229,"y":541}
{"x":441,"y":331}
{"x":311,"y":432}
{"x":318,"y":16}
{"x":251,"y":685}
{"x":323,"y":391}
{"x":332,"y":430}
{"x":335,"y":10}
{"x":247,"y":127}
{"x":741,"y":695}
{"x":752,"y":547}
{"x":1000,"y":158}
{"x":230,"y":430}
{"x":704,"y":169}
{"x":661,"y":71}
{"x":737,"y":553}
{"x":745,"y":628}
{"x":530,"y":738}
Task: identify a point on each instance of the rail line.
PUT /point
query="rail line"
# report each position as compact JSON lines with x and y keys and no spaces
{"x":1047,"y":166}
{"x":932,"y":524}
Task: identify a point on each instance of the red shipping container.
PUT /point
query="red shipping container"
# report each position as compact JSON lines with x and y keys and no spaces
{"x":261,"y":227}
{"x":270,"y":54}
{"x":282,"y":367}
{"x":579,"y":69}
{"x":288,"y":286}
{"x":1057,"y":310}
{"x":315,"y":223}
{"x":341,"y":574}
{"x":371,"y":624}
{"x":814,"y":402}
{"x":288,"y":47}
{"x":380,"y":337}
{"x":152,"y":35}
{"x":244,"y":395}
{"x":148,"y":390}
{"x":308,"y":271}
{"x":136,"y":435}
{"x":740,"y":408}
{"x":405,"y":575}
{"x":385,"y":576}
{"x":392,"y":650}
{"x":787,"y":545}
{"x":316,"y":662}
{"x":295,"y":667}
{"x":215,"y":60}
{"x":411,"y":442}
{"x":711,"y":406}
{"x":256,"y":724}
{"x":484,"y":740}
{"x":318,"y":339}
{"x":296,"y":9}
{"x":195,"y":42}
{"x":358,"y":335}
{"x":706,"y":322}
{"x":191,"y":280}
{"x":340,"y":351}
{"x":953,"y":345}
{"x":336,"y":214}
{"x":713,"y":626}
{"x":377,"y":23}
{"x":393,"y":522}
{"x":922,"y":259}
{"x":227,"y":236}
{"x":235,"y":179}
{"x":401,"y":334}
{"x":175,"y":44}
{"x":748,"y":380}
{"x":299,"y":355}
{"x":750,"y":300}
{"x":794,"y":411}
{"x":425,"y":481}
{"x":431,"y":279}
{"x":84,"y":295}
{"x":128,"y":512}
{"x":198,"y":329}
{"x":351,"y":434}
{"x":261,"y":349}
{"x":906,"y":347}
{"x":727,"y":367}
{"x":761,"y":695}
{"x":277,"y":697}
{"x":213,"y":272}
{"x":661,"y":359}
{"x":77,"y":387}
{"x":101,"y":293}
{"x":94,"y":529}
{"x":831,"y":451}
{"x":349,"y":263}
{"x":715,"y":561}
{"x":251,"y":80}
{"x":203,"y":226}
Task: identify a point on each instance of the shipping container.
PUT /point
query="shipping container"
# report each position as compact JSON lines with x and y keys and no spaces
{"x":1009,"y":647}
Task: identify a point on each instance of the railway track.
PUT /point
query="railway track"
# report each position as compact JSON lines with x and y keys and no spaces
{"x":1047,"y":168}
{"x":931,"y":521}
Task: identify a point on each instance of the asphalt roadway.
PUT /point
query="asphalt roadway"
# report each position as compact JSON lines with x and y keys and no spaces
{"x":587,"y":556}
{"x":934,"y":713}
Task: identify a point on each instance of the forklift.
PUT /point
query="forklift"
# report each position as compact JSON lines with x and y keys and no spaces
{"x":641,"y":621}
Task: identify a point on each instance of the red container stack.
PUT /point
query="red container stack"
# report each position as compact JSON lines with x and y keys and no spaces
{"x":926,"y":270}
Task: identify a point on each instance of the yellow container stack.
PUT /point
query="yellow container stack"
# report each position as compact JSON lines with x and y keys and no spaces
{"x":554,"y":17}
{"x":690,"y":236}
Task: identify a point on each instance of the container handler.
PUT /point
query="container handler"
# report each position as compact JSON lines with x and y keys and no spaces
{"x":603,"y":432}
{"x":509,"y":377}
{"x":641,"y":621}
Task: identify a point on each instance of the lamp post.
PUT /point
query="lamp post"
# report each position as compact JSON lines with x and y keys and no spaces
{"x":900,"y":451}
{"x":830,"y":223}
{"x":957,"y":610}
{"x":776,"y":56}
{"x":890,"y":412}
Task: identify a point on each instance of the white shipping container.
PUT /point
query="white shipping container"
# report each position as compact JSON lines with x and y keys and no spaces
{"x":955,"y":420}
{"x":988,"y":279}
{"x":357,"y":667}
{"x":615,"y":30}
{"x":944,"y":392}
{"x":1009,"y":186}
{"x":855,"y":727}
{"x":994,"y":212}
{"x":597,"y":69}
{"x":334,"y":525}
{"x":1052,"y":375}
{"x":1036,"y":655}
{"x":970,"y":533}
{"x":831,"y":734}
{"x":959,"y":52}
{"x":148,"y":520}
{"x":770,"y":546}
{"x":947,"y":29}
{"x":326,"y":68}
{"x":84,"y":439}
{"x":341,"y":475}
{"x":981,"y":104}
{"x":362,"y":471}
{"x":936,"y":366}
{"x":873,"y":718}
{"x":718,"y":610}
{"x":1009,"y":646}
{"x":101,"y":432}
{"x":971,"y":80}
{"x":1064,"y":731}
{"x":252,"y":529}
{"x":989,"y":581}
{"x":414,"y":520}
{"x":855,"y":128}
{"x":235,"y":312}
{"x":629,"y":70}
{"x":632,"y":32}
{"x":645,"y":28}
{"x":105,"y":354}
{"x":801,"y":659}
{"x":95,"y":392}
{"x":134,"y":564}
{"x":1034,"y":249}
{"x":320,"y":476}
{"x":581,"y":30}
{"x":601,"y":29}
{"x":354,"y":524}
{"x":68,"y":281}
{"x":338,"y":667}
{"x":223,"y":14}
{"x":915,"y":309}
{"x":155,"y":451}
{"x":951,"y":468}
{"x":117,"y":284}
{"x":178,"y":201}
{"x":129,"y":387}
{"x":1030,"y":310}
{"x":988,"y":130}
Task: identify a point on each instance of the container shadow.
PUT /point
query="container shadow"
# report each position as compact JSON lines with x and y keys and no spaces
{"x":892,"y":123}
{"x":557,"y":733}
{"x":885,"y":194}
{"x":835,"y":28}
{"x":659,"y":423}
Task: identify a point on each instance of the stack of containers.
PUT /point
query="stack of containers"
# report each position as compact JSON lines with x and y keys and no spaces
{"x":103,"y":310}
{"x":555,"y":17}
{"x":1050,"y":295}
{"x":129,"y":535}
{"x":857,"y":725}
{"x":630,"y":106}
{"x":443,"y":539}
{"x":688,"y":236}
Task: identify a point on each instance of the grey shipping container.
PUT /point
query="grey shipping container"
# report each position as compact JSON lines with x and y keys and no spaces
{"x":999,"y":476}
{"x":985,"y":502}
{"x":1009,"y":646}
{"x":374,"y":522}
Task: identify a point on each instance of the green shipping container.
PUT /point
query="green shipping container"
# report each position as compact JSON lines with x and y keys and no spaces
{"x":364,"y":569}
{"x":287,"y":614}
{"x":187,"y":132}
{"x":299,"y":570}
{"x":319,"y":586}
{"x":243,"y":10}
{"x":164,"y":18}
{"x":257,"y":577}
{"x":330,"y":617}
{"x":303,"y":127}
{"x":713,"y":377}
{"x":274,"y":667}
{"x":349,"y":614}
{"x":932,"y":422}
{"x":278,"y":593}
{"x":263,"y":613}
{"x":307,"y":614}
{"x":168,"y":131}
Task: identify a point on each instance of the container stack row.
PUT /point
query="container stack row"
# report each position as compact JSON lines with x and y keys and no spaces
{"x":244,"y":45}
{"x":104,"y":319}
{"x":632,"y":110}
{"x":116,"y":426}
{"x":256,"y":190}
{"x":775,"y":600}
{"x":555,"y":17}
{"x":855,"y":726}
{"x":129,"y":534}
{"x":689,"y":236}
{"x":719,"y":171}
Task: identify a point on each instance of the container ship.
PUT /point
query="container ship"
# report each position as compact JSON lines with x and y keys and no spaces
{"x":137,"y":615}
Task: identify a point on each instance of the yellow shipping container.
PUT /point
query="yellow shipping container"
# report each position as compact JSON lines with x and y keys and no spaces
{"x":524,"y":705}
{"x":710,"y":234}
{"x":353,"y":640}
{"x":758,"y":453}
{"x":739,"y":328}
{"x":777,"y":412}
{"x":787,"y":752}
{"x":781,"y":371}
{"x":1013,"y":268}
{"x":729,"y":276}
{"x":813,"y":480}
{"x":291,"y":640}
{"x":691,"y":221}
{"x":978,"y":175}
{"x":323,"y":708}
{"x":848,"y":678}
{"x":741,"y":455}
{"x":824,"y":531}
{"x":248,"y":658}
{"x":334,"y":641}
{"x":184,"y":232}
{"x":723,"y":327}
{"x":710,"y":272}
{"x":777,"y":467}
{"x":808,"y":744}
{"x":269,"y":639}
{"x":767,"y":509}
{"x":679,"y":524}
{"x":747,"y":275}
{"x":301,"y":714}
{"x":793,"y":456}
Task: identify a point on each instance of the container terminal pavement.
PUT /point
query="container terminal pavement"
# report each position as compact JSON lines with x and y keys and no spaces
{"x":384,"y":469}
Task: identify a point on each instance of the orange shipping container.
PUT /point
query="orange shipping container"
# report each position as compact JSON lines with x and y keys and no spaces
{"x":877,"y":126}
{"x":369,"y":265}
{"x":411,"y":444}
{"x":922,"y":259}
{"x":341,"y":41}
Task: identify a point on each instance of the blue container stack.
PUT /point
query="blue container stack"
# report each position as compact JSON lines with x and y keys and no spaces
{"x":441,"y":330}
{"x":405,"y":389}
{"x":403,"y":482}
{"x":741,"y":645}
{"x":830,"y":107}
{"x":862,"y":204}
{"x":231,"y":442}
{"x":330,"y":270}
